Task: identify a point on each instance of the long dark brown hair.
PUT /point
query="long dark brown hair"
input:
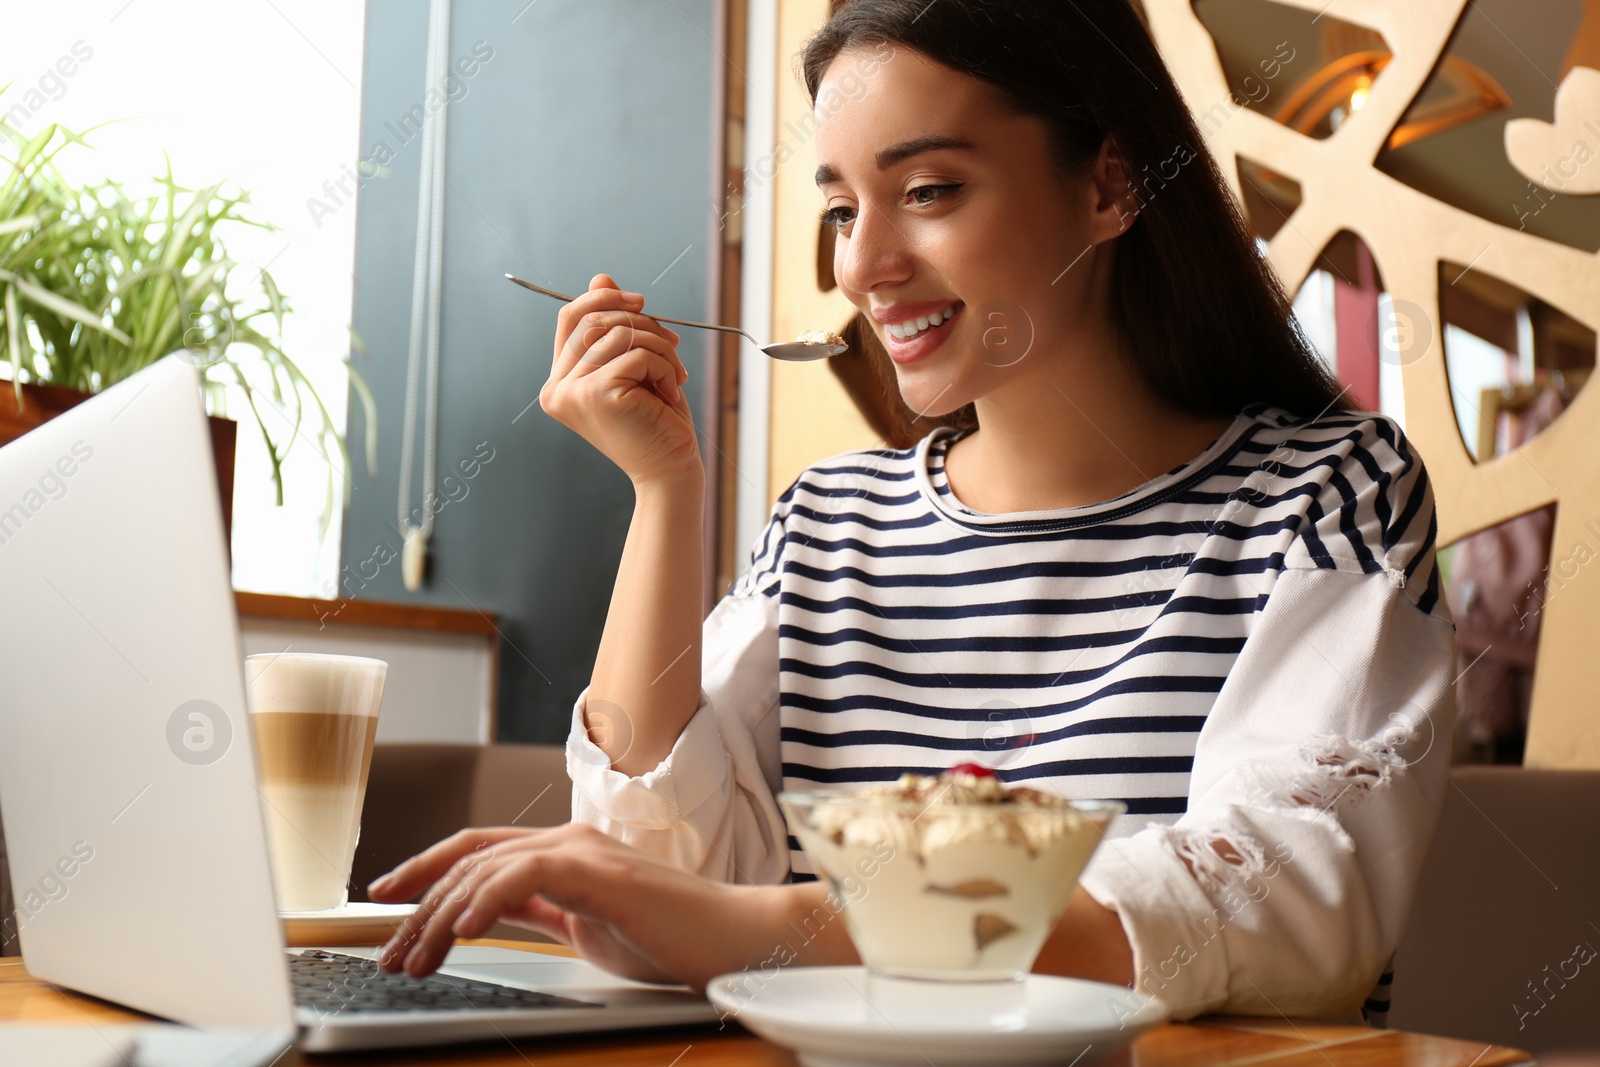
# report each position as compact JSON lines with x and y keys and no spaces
{"x":1200,"y":313}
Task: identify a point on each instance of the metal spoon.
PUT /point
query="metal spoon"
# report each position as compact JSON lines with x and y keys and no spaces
{"x":792,"y":351}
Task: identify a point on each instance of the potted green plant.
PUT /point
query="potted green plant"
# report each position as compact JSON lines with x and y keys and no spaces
{"x":96,"y":284}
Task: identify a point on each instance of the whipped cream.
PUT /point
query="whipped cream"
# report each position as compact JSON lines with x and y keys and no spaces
{"x":946,"y":814}
{"x":819,"y":337}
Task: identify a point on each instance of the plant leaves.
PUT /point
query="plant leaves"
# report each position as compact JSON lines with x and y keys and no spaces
{"x":21,"y":222}
{"x":369,"y":413}
{"x":61,"y":306}
{"x":35,"y":146}
{"x":99,"y":284}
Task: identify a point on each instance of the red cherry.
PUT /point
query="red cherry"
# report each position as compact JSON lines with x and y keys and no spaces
{"x":973,"y":769}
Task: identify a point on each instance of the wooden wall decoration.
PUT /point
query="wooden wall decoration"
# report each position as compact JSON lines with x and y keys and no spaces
{"x":1411,"y":236}
{"x":1563,"y":148}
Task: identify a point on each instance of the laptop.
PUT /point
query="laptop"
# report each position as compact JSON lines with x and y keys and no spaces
{"x":139,"y":859}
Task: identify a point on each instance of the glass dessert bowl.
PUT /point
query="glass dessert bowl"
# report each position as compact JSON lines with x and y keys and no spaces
{"x":953,"y":876}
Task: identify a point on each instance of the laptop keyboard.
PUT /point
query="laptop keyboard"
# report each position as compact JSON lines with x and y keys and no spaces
{"x":331,"y":982}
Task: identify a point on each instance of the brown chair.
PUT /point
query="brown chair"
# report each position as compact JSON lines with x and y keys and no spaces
{"x":418,"y":794}
{"x":1509,"y":891}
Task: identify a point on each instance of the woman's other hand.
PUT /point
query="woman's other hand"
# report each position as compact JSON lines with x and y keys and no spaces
{"x":615,"y":380}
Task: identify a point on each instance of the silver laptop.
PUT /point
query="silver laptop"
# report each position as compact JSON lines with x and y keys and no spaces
{"x":140,"y":865}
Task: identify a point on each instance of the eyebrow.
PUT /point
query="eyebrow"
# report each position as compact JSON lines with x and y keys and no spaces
{"x":901,"y":152}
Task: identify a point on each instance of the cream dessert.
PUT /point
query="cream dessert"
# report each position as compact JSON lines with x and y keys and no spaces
{"x":954,"y":875}
{"x":819,"y":337}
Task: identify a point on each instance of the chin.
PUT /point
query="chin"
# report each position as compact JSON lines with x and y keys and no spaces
{"x":932,"y":399}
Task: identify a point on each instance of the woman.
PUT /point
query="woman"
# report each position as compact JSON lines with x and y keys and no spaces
{"x":1150,"y":557}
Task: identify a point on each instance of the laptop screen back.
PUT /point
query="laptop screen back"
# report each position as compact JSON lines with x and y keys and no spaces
{"x":127,"y":772}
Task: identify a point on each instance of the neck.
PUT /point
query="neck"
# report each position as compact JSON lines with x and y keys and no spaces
{"x":1071,"y":431}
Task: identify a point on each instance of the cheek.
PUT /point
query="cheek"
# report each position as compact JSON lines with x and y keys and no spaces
{"x":1035,"y":236}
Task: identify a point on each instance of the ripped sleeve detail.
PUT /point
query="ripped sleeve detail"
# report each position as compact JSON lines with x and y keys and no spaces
{"x":1326,"y":774}
{"x":1226,"y":857}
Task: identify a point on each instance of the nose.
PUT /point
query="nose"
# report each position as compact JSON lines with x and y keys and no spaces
{"x":874,"y":254}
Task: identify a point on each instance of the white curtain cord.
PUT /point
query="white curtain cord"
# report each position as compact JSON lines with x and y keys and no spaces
{"x":426,"y":290}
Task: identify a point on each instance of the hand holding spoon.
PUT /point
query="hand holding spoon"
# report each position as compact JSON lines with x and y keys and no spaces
{"x":792,"y":351}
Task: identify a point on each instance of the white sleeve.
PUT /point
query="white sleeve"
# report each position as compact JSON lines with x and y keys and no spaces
{"x":708,"y":807}
{"x":1317,"y":783}
{"x":1319,"y":776}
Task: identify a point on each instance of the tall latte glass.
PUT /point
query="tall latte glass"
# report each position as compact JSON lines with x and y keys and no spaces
{"x":315,"y":717}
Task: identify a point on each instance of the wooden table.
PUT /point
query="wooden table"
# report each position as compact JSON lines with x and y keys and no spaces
{"x":1216,"y":1041}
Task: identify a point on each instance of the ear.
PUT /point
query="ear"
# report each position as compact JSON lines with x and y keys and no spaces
{"x":1113,"y":204}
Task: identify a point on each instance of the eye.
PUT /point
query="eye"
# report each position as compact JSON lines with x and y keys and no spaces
{"x":922,"y":196}
{"x":834,"y":216}
{"x":937,"y":191}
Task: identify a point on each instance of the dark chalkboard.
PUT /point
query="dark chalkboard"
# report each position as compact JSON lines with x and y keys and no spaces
{"x":581,"y":142}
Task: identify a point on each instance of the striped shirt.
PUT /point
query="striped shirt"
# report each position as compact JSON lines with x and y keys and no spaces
{"x":1083,"y":647}
{"x":1203,"y":648}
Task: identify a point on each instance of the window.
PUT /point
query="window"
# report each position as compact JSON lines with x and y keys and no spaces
{"x":263,"y":94}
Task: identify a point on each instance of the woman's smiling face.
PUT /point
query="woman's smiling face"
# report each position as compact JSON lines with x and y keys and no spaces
{"x":943,"y":199}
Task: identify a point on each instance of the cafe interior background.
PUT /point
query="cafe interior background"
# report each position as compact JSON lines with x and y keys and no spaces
{"x":1424,"y":176}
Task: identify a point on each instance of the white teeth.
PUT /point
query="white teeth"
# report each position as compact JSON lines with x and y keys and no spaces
{"x":903,"y":330}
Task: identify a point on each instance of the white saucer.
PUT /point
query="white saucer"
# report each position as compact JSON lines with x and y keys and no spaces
{"x":845,"y":1017}
{"x":356,"y":923}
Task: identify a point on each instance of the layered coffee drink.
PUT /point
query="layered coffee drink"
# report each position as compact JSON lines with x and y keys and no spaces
{"x":315,"y":718}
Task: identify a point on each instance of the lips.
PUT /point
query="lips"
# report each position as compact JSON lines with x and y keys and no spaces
{"x":923,"y":343}
{"x":906,"y":310}
{"x":913,"y":325}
